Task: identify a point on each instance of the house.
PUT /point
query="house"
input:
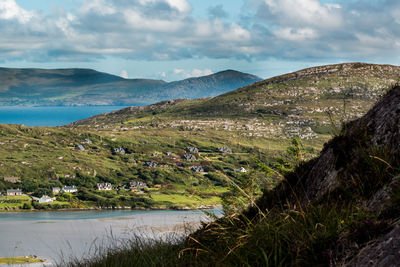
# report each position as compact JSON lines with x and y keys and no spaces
{"x":137,"y":184}
{"x":46,"y":199}
{"x":104,"y":186}
{"x":189,"y":157}
{"x":56,"y":190}
{"x":11,"y":179}
{"x":69,"y":189}
{"x":197,"y":168}
{"x":225,"y":149}
{"x":241,"y":169}
{"x":14,"y":192}
{"x":191,"y":149}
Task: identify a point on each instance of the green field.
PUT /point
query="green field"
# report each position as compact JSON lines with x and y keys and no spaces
{"x":19,"y":260}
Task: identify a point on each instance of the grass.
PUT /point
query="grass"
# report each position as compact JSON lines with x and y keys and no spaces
{"x":19,"y":260}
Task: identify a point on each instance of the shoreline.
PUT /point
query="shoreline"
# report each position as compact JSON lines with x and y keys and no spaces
{"x":205,"y":207}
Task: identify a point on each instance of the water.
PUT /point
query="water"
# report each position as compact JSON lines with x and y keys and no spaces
{"x":76,"y":234}
{"x":50,"y":116}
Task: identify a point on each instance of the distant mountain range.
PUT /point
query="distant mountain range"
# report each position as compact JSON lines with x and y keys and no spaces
{"x":80,"y":87}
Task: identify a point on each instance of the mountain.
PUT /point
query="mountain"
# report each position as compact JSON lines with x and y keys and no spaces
{"x":309,"y":103}
{"x":72,"y":87}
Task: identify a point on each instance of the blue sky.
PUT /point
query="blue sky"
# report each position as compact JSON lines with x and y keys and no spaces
{"x":175,"y":39}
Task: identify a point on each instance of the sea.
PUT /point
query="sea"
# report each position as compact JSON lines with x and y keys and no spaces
{"x":64,"y":236}
{"x":50,"y":116}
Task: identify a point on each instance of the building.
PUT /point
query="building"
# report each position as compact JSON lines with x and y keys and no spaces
{"x":56,"y":190}
{"x":104,"y":186}
{"x":241,"y":169}
{"x":46,"y":199}
{"x":137,"y":184}
{"x":14,"y":192}
{"x":69,"y":189}
{"x":11,"y":179}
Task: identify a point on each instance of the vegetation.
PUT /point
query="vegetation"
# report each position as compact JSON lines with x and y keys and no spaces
{"x":19,"y":260}
{"x":329,"y":211}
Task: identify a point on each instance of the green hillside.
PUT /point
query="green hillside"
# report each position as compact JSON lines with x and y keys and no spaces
{"x":265,"y":128}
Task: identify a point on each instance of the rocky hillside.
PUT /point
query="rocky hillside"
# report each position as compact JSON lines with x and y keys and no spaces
{"x":73,"y":87}
{"x":341,"y":208}
{"x":305,"y":103}
{"x":354,"y":182}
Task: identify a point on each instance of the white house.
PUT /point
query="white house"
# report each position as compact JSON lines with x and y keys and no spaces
{"x":56,"y":190}
{"x":241,"y":170}
{"x":46,"y":199}
{"x":14,"y":192}
{"x":69,"y":189}
{"x":104,"y":186}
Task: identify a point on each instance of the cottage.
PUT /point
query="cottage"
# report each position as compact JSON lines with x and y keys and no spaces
{"x":11,"y":179}
{"x":241,"y":169}
{"x":46,"y":199}
{"x":191,"y":149}
{"x":197,"y":168}
{"x":137,"y":184}
{"x":14,"y":192}
{"x":69,"y":189}
{"x":56,"y":190}
{"x":189,"y":157}
{"x":225,"y":149}
{"x":104,"y":186}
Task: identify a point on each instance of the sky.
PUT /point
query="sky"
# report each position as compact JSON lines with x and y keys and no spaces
{"x":177,"y":39}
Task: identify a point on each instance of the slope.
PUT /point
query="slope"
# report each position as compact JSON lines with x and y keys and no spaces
{"x":340,"y":209}
{"x":306,"y":103}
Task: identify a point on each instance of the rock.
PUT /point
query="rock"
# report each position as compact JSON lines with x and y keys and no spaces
{"x":191,"y":149}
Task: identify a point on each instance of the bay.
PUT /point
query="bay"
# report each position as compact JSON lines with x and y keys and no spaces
{"x":65,"y":235}
{"x":50,"y":116}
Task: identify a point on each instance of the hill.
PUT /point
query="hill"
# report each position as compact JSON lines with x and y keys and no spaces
{"x":155,"y":144}
{"x":79,"y":87}
{"x":306,"y":103}
{"x":339,"y":209}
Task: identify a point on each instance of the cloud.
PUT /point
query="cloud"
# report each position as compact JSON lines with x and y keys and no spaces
{"x":184,"y":74}
{"x":217,"y":12}
{"x":124,"y":74}
{"x":168,"y":30}
{"x":9,"y":10}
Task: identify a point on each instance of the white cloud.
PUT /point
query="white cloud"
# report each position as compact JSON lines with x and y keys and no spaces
{"x":124,"y":74}
{"x":168,"y":30}
{"x":184,"y":74}
{"x":306,"y":12}
{"x":10,"y":10}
